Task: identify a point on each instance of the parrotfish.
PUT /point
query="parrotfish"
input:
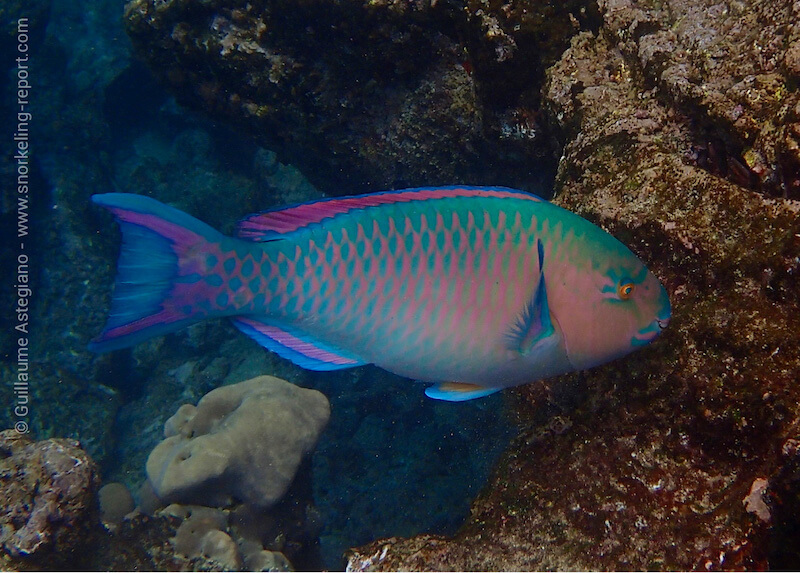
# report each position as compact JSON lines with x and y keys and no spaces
{"x":472,"y":289}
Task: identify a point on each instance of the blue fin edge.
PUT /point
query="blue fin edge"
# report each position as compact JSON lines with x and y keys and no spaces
{"x":284,"y":351}
{"x":147,"y":268}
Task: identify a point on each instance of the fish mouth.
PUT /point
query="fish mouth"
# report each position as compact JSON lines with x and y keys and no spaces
{"x":650,"y":332}
{"x":663,"y":317}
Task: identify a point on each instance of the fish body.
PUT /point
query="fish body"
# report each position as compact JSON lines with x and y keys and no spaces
{"x":472,"y":288}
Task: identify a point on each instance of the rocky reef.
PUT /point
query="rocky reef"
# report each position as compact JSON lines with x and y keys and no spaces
{"x":238,"y":463}
{"x":369,"y":94}
{"x":47,"y":501}
{"x":680,"y":123}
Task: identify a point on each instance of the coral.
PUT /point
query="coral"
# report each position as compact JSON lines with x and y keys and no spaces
{"x":263,"y":560}
{"x":201,"y":535}
{"x":116,"y":502}
{"x":47,"y":490}
{"x":242,"y":442}
{"x":205,"y":537}
{"x":50,"y":520}
{"x":197,"y":538}
{"x":218,"y":547}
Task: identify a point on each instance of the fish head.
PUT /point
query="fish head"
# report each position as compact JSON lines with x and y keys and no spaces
{"x":612,"y":306}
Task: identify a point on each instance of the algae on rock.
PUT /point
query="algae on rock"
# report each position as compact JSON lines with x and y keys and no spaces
{"x":370,"y":95}
{"x":664,"y":450}
{"x":47,"y":501}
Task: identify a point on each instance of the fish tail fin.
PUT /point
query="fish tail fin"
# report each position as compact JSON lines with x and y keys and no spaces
{"x":158,"y":284}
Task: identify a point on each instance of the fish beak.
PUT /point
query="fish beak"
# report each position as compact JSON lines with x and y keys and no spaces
{"x":651,"y":332}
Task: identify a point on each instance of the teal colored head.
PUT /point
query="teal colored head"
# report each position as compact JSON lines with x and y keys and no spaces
{"x":609,"y":303}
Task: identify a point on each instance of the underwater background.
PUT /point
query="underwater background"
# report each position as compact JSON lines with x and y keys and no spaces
{"x":674,"y":125}
{"x":387,"y":464}
{"x":390,"y":462}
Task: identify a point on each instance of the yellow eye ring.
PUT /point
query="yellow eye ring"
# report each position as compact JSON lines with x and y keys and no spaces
{"x":625,"y":291}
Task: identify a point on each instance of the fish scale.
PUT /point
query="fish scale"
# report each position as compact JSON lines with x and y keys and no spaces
{"x":486,"y":287}
{"x":420,"y":274}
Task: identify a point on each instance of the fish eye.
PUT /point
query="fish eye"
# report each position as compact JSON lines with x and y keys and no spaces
{"x":625,"y":290}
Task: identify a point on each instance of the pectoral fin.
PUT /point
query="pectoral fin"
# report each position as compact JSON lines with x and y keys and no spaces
{"x":534,"y":325}
{"x":458,"y":391}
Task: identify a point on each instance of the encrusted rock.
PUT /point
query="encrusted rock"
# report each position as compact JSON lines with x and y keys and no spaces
{"x":665,"y":444}
{"x":733,"y":66}
{"x":369,"y":95}
{"x":754,"y":502}
{"x":47,"y":502}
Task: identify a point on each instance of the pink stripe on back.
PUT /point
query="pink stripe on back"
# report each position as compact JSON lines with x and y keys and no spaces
{"x":293,"y":218}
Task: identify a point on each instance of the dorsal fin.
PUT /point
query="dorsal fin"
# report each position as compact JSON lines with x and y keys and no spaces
{"x":270,"y":225}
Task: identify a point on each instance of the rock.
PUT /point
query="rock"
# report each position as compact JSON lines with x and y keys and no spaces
{"x":791,"y":59}
{"x":49,"y":518}
{"x":664,"y":445}
{"x":47,"y":503}
{"x":242,"y":442}
{"x":754,"y":502}
{"x":369,"y":95}
{"x":732,"y":67}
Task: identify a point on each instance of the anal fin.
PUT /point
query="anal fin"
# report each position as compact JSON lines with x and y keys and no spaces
{"x":458,"y":391}
{"x":292,"y":344}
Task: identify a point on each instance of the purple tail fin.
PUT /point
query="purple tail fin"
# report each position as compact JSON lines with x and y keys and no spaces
{"x":156,"y":289}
